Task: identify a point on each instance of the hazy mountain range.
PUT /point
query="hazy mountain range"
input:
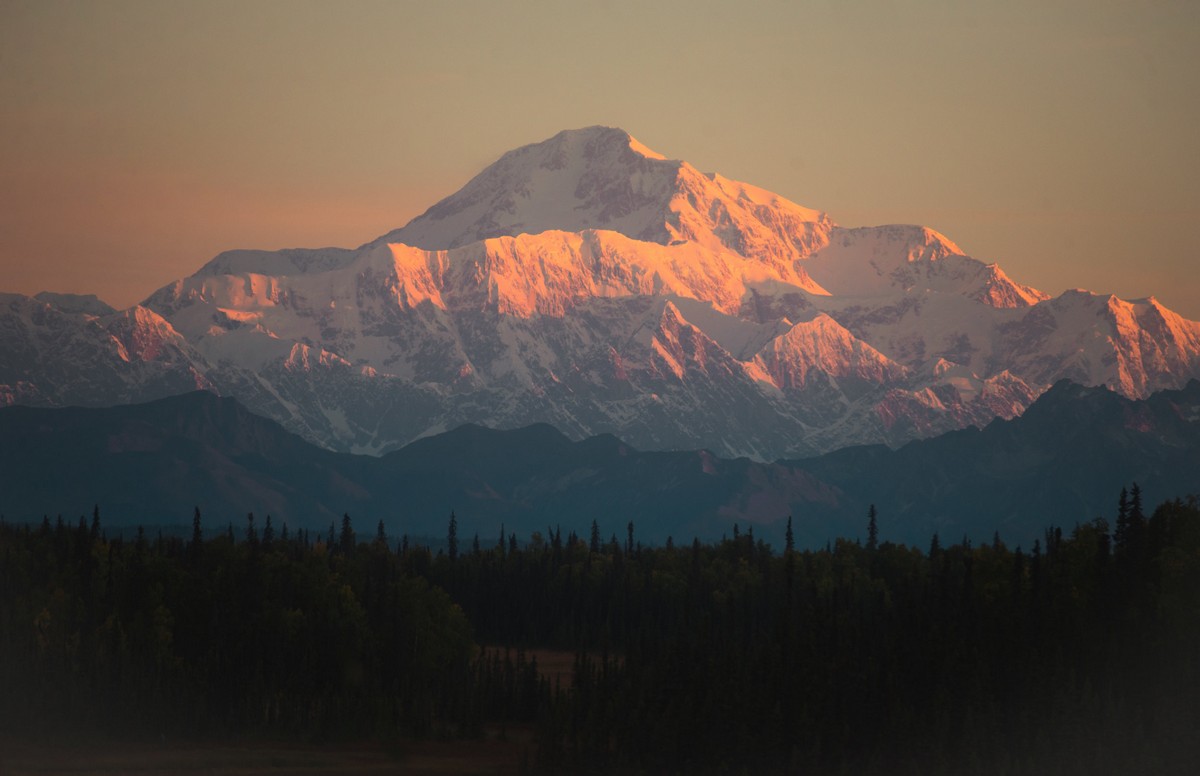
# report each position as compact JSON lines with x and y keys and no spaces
{"x":589,"y":283}
{"x":1062,"y":462}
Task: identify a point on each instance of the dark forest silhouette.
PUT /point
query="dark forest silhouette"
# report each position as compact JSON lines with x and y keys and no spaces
{"x":1079,"y":654}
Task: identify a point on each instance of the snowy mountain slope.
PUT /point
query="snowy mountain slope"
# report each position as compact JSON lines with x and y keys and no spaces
{"x":593,"y":284}
{"x":885,"y":260}
{"x":1135,"y":347}
{"x":52,"y":356}
{"x":586,"y":179}
{"x":602,"y":178}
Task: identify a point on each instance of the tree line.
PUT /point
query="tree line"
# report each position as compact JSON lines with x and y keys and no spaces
{"x":1079,"y":654}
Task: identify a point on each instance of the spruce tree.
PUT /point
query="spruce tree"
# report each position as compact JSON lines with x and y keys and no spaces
{"x":1136,"y":525}
{"x":347,"y":543}
{"x":452,"y":537}
{"x":872,"y":530}
{"x":1121,"y":536}
{"x":197,"y":532}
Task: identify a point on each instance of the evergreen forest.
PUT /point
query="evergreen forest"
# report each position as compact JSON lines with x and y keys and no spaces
{"x":1079,"y":654}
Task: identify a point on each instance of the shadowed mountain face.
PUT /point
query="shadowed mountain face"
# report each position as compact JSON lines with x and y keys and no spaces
{"x":1060,"y":463}
{"x":152,"y":463}
{"x":589,"y":283}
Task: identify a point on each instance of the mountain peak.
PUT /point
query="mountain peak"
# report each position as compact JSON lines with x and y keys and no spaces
{"x":601,"y":179}
{"x":88,"y":304}
{"x":591,"y":178}
{"x":597,"y":138}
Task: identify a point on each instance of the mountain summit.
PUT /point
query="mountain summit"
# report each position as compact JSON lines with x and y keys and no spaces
{"x":594,"y":178}
{"x":593,"y":284}
{"x":603,"y":179}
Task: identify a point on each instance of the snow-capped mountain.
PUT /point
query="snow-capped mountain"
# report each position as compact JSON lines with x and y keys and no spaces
{"x":593,"y":284}
{"x":62,"y":349}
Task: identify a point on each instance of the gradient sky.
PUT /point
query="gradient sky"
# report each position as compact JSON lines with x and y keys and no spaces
{"x":138,"y":139}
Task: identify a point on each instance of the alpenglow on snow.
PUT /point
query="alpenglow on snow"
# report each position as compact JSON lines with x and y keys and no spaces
{"x":593,"y":284}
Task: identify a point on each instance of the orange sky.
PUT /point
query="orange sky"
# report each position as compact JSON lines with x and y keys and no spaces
{"x":138,"y":139}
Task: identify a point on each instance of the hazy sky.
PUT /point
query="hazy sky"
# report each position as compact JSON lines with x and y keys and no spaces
{"x":139,"y":139}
